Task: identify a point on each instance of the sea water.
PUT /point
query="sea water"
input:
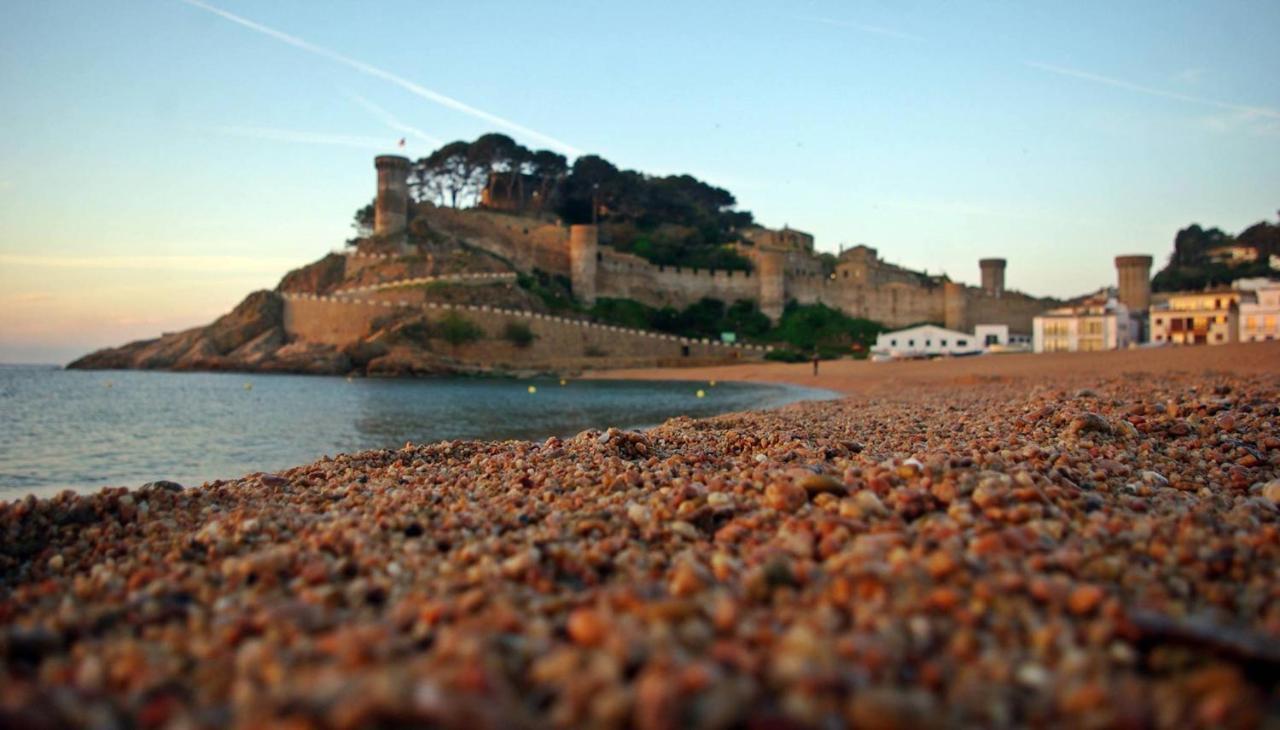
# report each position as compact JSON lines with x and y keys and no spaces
{"x":88,"y":429}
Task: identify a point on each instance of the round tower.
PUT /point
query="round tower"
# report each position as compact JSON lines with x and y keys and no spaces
{"x":771,"y":269}
{"x":955,"y":309}
{"x":992,"y":276}
{"x":1133,"y":273}
{"x":584,"y":248}
{"x":391,"y":210}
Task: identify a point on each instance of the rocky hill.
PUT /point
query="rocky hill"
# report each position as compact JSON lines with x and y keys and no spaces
{"x":252,"y":337}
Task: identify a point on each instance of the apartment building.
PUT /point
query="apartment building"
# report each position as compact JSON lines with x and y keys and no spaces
{"x":1259,"y":310}
{"x":1100,"y":322}
{"x":1197,"y":318}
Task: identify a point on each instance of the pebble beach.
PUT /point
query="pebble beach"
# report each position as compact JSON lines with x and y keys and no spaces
{"x":1092,"y":544}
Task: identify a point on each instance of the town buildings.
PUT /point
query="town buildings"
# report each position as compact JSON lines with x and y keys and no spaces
{"x":1259,"y":310}
{"x":1197,"y":318}
{"x":926,"y":340}
{"x":1099,"y":322}
{"x":929,"y":340}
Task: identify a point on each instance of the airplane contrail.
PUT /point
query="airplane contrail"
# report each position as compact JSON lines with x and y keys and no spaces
{"x":391,"y":121}
{"x":370,"y":70}
{"x":1149,"y":91}
{"x":873,"y":29}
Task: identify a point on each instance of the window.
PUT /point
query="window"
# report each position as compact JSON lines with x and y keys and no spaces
{"x":893,"y":342}
{"x":992,"y":340}
{"x":1218,"y":337}
{"x":1159,"y":321}
{"x":911,"y":343}
{"x":943,"y":343}
{"x":962,"y":343}
{"x":1159,"y":338}
{"x":928,"y":343}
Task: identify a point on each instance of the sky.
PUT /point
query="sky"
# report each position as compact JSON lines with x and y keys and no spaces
{"x":160,"y":159}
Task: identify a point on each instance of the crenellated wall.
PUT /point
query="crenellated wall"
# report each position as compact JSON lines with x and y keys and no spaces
{"x":622,"y":275}
{"x":527,"y":243}
{"x":862,"y":284}
{"x":560,"y":342}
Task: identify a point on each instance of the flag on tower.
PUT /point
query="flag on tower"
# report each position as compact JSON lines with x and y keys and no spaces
{"x":402,"y":143}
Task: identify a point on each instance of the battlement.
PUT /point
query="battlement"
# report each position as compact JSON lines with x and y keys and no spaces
{"x":786,"y":268}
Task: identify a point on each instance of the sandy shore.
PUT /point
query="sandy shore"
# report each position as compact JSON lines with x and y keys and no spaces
{"x":1079,"y":541}
{"x":860,"y":376}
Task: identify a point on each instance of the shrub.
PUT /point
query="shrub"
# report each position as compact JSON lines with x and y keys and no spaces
{"x":458,"y":330}
{"x":785,"y":355}
{"x":818,"y":327}
{"x":518,"y":334}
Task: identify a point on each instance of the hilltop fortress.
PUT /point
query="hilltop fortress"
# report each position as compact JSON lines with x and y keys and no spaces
{"x":785,"y":267}
{"x":497,"y":288}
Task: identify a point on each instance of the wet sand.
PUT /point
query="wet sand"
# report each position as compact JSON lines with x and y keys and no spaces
{"x":1079,"y":541}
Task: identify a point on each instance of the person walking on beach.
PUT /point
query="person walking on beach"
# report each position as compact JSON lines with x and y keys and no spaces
{"x":815,"y":363}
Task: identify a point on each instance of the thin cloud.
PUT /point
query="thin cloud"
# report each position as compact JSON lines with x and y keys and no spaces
{"x":873,"y":29}
{"x":201,"y":264}
{"x":370,"y":70}
{"x":298,"y":137}
{"x":1257,"y":111}
{"x":391,"y":121}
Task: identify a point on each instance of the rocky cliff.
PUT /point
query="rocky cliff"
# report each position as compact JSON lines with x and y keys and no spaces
{"x":252,"y":337}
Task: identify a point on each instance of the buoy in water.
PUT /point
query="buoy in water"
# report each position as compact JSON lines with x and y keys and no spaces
{"x":248,"y":386}
{"x":533,"y":389}
{"x":563,"y":381}
{"x":702,"y":393}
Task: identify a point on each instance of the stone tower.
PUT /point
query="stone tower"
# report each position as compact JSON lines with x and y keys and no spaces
{"x":992,"y":276}
{"x":955,"y":308}
{"x":771,"y":268}
{"x":1133,"y":273}
{"x":584,"y":248}
{"x":391,"y":211}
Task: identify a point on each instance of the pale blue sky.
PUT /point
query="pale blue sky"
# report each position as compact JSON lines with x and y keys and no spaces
{"x":158,"y":160}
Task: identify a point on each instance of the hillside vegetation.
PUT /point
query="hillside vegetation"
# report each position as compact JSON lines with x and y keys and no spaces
{"x":1191,"y":268}
{"x":674,"y":220}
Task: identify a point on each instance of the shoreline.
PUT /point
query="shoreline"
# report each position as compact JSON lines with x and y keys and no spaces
{"x":466,"y":408}
{"x":863,"y":377}
{"x":1083,"y":548}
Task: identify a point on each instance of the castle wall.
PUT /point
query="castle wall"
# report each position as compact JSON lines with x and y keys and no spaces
{"x":560,"y":342}
{"x":1011,"y":308}
{"x":527,"y":243}
{"x":621,"y":275}
{"x":863,"y":285}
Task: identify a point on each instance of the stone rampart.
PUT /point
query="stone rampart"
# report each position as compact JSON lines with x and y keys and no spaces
{"x":527,"y":243}
{"x":1012,"y":308}
{"x":625,"y":276}
{"x":559,"y":342}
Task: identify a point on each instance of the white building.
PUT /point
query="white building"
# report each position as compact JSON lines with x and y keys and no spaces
{"x":1100,"y":322}
{"x":998,"y":338}
{"x":1259,"y":315}
{"x":926,"y":340}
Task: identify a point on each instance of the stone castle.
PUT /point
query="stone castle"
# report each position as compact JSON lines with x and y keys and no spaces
{"x":785,"y":268}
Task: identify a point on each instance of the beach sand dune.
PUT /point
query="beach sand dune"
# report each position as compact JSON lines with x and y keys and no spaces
{"x":1080,"y":541}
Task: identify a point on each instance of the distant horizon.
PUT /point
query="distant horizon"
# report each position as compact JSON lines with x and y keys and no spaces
{"x":167,"y":160}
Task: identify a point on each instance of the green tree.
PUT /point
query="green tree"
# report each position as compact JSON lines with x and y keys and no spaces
{"x":362,"y":223}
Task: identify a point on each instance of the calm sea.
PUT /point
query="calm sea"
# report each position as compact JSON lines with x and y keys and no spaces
{"x":85,"y":430}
